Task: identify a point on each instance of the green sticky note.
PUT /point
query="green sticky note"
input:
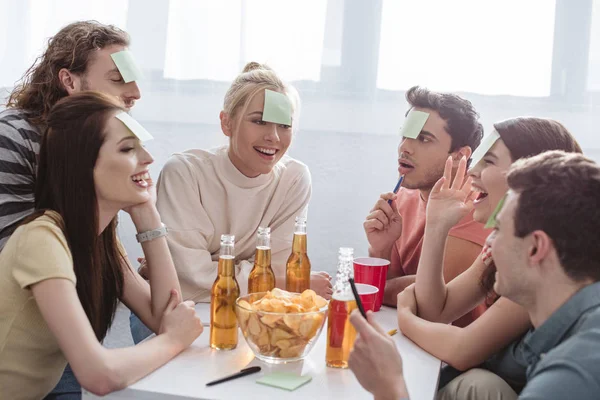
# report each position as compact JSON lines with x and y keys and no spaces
{"x":413,"y":124}
{"x":284,"y":380}
{"x":277,"y":108}
{"x":491,"y":222}
{"x":127,"y":66}
{"x":485,"y":146}
{"x":134,"y":126}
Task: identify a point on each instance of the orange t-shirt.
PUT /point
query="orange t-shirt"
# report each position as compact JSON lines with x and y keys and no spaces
{"x":412,"y":208}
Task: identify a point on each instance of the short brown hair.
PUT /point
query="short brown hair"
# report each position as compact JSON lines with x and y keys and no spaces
{"x":460,"y":115}
{"x":558,"y":194}
{"x":529,"y":136}
{"x":71,"y":48}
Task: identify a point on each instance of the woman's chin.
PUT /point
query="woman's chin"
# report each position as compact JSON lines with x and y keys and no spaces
{"x":480,"y":215}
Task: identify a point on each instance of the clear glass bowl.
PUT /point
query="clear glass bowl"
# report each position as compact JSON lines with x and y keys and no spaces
{"x":278,"y":337}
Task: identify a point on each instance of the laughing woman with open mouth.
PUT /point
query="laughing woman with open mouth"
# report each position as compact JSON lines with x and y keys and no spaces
{"x":234,"y":189}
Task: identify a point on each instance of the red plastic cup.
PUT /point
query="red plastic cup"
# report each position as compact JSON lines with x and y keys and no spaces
{"x":372,"y":271}
{"x":368,"y":295}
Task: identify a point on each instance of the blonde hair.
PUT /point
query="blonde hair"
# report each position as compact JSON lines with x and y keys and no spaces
{"x":254,"y":78}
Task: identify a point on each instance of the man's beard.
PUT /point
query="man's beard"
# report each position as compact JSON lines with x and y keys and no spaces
{"x":84,"y":84}
{"x":427,"y":183}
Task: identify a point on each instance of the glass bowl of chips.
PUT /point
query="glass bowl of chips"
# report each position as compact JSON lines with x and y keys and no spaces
{"x":280,"y":326}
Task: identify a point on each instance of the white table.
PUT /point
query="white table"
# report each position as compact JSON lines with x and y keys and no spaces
{"x":185,"y":376}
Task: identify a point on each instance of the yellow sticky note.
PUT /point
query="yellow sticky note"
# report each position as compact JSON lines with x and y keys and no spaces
{"x":127,"y":66}
{"x":491,"y":222}
{"x":134,"y":126}
{"x":413,"y":124}
{"x":277,"y":108}
{"x":485,"y":146}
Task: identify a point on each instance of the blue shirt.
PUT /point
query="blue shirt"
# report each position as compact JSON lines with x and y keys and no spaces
{"x":561,"y":357}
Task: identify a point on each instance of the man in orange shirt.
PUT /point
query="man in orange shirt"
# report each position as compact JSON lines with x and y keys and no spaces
{"x":437,"y":125}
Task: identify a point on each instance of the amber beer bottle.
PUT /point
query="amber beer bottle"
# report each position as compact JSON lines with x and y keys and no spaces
{"x":340,"y":332}
{"x":262,"y":278}
{"x":297,"y":277}
{"x":224,"y":293}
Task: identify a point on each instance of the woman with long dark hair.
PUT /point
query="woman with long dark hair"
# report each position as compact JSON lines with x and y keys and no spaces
{"x":63,"y":271}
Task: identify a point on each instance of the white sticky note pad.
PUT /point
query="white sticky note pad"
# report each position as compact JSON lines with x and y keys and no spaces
{"x":413,"y":124}
{"x":485,"y":146}
{"x":134,"y":126}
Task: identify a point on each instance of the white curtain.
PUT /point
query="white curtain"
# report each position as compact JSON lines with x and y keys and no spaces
{"x":487,"y":47}
{"x":351,"y":61}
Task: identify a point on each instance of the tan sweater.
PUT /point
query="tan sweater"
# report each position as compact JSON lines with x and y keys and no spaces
{"x":202,"y":195}
{"x":31,"y":362}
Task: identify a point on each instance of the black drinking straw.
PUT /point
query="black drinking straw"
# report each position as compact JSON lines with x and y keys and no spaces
{"x":357,"y":298}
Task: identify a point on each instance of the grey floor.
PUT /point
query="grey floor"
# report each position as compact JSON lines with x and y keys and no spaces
{"x":119,"y":334}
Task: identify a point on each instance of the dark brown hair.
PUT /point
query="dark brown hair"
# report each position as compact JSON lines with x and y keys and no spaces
{"x":73,"y":47}
{"x":525,"y":137}
{"x":65,"y":184}
{"x":461,"y":118}
{"x":558,"y":194}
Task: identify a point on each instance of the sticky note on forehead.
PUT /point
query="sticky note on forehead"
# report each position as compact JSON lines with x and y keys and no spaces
{"x":134,"y":126}
{"x":491,"y":222}
{"x":485,"y":146}
{"x":277,"y":108}
{"x":127,"y":66}
{"x":413,"y":124}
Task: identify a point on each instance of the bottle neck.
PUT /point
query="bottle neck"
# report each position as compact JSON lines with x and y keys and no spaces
{"x":262,"y":258}
{"x":226,"y":266}
{"x":344,"y":272}
{"x":299,"y":245}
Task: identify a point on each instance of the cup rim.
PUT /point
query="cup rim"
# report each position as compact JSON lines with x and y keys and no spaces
{"x":371,"y":262}
{"x":366,"y":286}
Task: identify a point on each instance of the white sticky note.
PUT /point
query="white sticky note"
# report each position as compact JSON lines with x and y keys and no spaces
{"x":413,"y":124}
{"x":485,"y":146}
{"x":134,"y":126}
{"x":127,"y":66}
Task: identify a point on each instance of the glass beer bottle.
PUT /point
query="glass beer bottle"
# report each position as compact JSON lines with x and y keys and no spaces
{"x":224,"y":293}
{"x":297,"y":269}
{"x":340,"y":332}
{"x":262,"y":278}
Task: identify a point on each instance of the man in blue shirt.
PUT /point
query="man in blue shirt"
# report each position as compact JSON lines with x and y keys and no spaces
{"x":548,"y":260}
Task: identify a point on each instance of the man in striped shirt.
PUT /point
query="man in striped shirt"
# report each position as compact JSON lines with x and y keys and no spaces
{"x":78,"y":58}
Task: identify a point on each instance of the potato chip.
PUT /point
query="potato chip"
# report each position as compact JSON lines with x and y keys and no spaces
{"x":270,"y":320}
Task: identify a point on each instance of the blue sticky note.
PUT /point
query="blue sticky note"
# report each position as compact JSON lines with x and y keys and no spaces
{"x":284,"y":380}
{"x":134,"y":126}
{"x":277,"y":108}
{"x":127,"y":66}
{"x":413,"y":124}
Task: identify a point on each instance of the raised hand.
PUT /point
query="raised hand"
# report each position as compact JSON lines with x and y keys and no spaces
{"x":449,"y":201}
{"x":383,"y":225}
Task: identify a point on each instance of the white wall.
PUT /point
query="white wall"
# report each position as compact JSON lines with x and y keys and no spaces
{"x":349,"y":145}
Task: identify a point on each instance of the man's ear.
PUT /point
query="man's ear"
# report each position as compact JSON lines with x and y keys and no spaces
{"x":69,"y":81}
{"x":461,"y":152}
{"x":539,"y":247}
{"x":226,"y":124}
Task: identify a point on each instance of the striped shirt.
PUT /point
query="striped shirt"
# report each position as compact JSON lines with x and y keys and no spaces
{"x":19,"y":149}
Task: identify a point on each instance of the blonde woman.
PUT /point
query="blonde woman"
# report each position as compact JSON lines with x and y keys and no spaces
{"x":236,"y":188}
